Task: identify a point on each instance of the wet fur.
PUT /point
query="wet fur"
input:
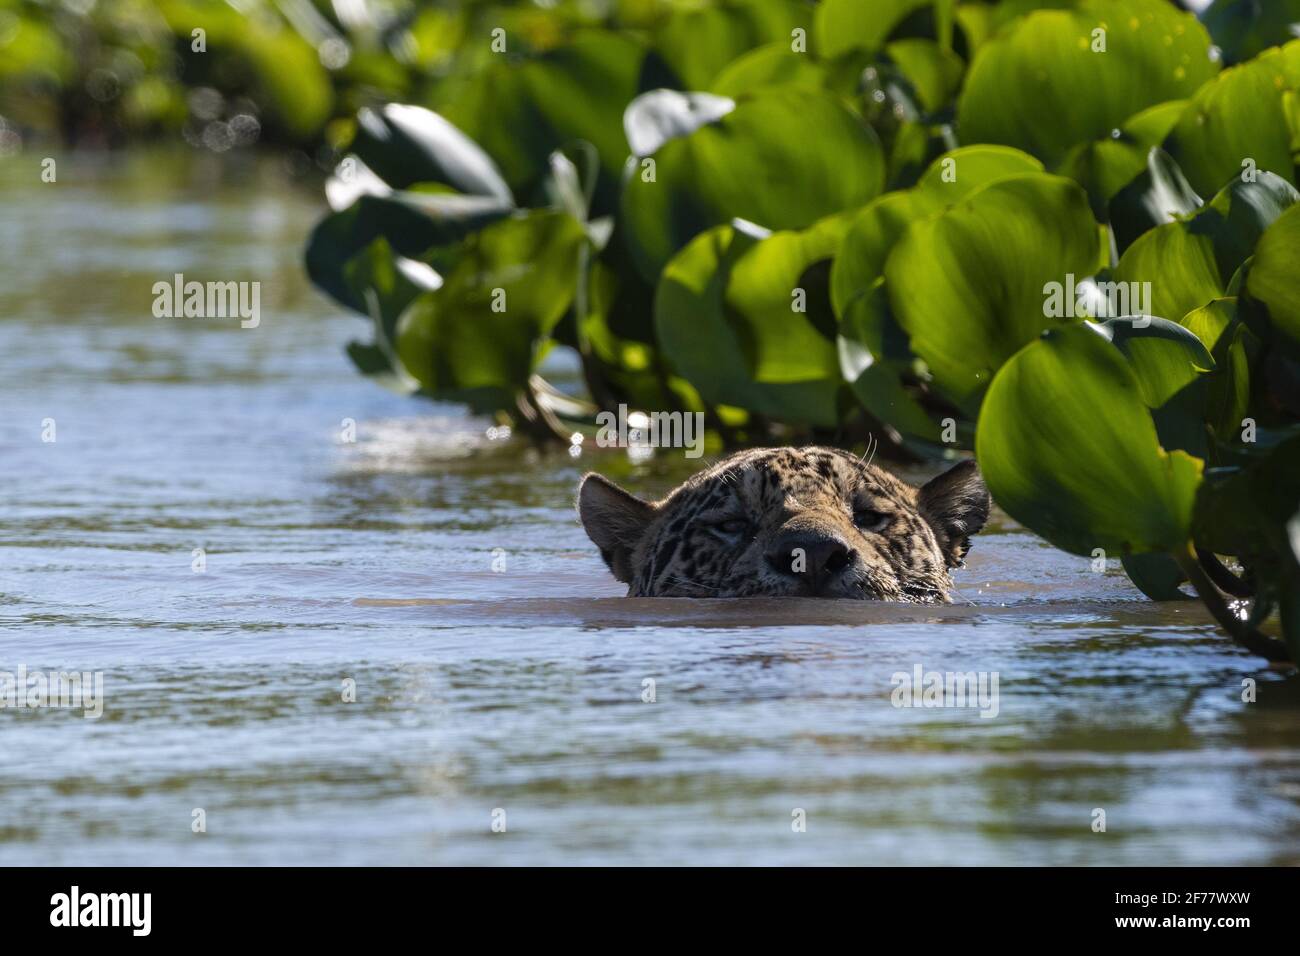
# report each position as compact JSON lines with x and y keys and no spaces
{"x":902,"y":551}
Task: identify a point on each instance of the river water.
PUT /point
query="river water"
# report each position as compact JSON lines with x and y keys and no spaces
{"x":500,"y":715}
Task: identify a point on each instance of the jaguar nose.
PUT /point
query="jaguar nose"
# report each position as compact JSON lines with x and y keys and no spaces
{"x":817,"y":557}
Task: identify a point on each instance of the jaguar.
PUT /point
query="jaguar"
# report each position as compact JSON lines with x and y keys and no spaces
{"x":810,"y":522}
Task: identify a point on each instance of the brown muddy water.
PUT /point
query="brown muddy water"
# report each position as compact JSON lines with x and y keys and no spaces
{"x":512,"y":695}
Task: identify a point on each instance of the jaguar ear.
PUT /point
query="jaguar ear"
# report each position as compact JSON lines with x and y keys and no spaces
{"x":956,"y":504}
{"x":615,"y":521}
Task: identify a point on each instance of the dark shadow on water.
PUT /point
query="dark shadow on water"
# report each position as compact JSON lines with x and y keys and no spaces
{"x":614,"y":612}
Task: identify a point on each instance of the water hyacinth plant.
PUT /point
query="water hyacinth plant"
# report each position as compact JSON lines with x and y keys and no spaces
{"x":1065,"y":238}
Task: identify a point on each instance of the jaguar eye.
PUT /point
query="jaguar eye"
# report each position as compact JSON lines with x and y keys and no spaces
{"x":868,"y":520}
{"x":732,"y":526}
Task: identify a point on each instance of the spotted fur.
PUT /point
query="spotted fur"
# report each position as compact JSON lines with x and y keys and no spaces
{"x":789,"y":521}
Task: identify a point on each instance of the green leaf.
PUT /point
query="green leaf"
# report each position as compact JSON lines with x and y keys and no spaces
{"x":1106,"y":166}
{"x":859,"y":267}
{"x":724,"y":317}
{"x":1165,"y":356}
{"x":654,"y":118}
{"x":874,"y":353}
{"x":958,"y":173}
{"x":405,"y":145}
{"x":846,"y":25}
{"x":697,"y":44}
{"x":1210,"y":321}
{"x":1271,"y":304}
{"x":1150,"y":127}
{"x":478,"y":337}
{"x":1068,"y":449}
{"x":1156,"y":575}
{"x":1234,"y":349}
{"x":386,"y":284}
{"x":878,"y":226}
{"x":1159,"y":194}
{"x":780,"y":312}
{"x":621,"y":369}
{"x":412,"y":223}
{"x":775,"y":65}
{"x":1190,"y":262}
{"x":351,"y":180}
{"x":1170,"y":364}
{"x":935,"y":73}
{"x":878,"y":385}
{"x":970,"y":286}
{"x":1237,"y":217}
{"x":521,"y":110}
{"x":1178,"y":266}
{"x":1245,"y":510}
{"x":1038,"y":85}
{"x":1239,"y":121}
{"x":1244,"y":28}
{"x":783,"y":160}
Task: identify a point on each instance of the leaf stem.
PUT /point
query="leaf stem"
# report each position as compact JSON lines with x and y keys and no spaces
{"x":1223,"y":579}
{"x":1248,"y":637}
